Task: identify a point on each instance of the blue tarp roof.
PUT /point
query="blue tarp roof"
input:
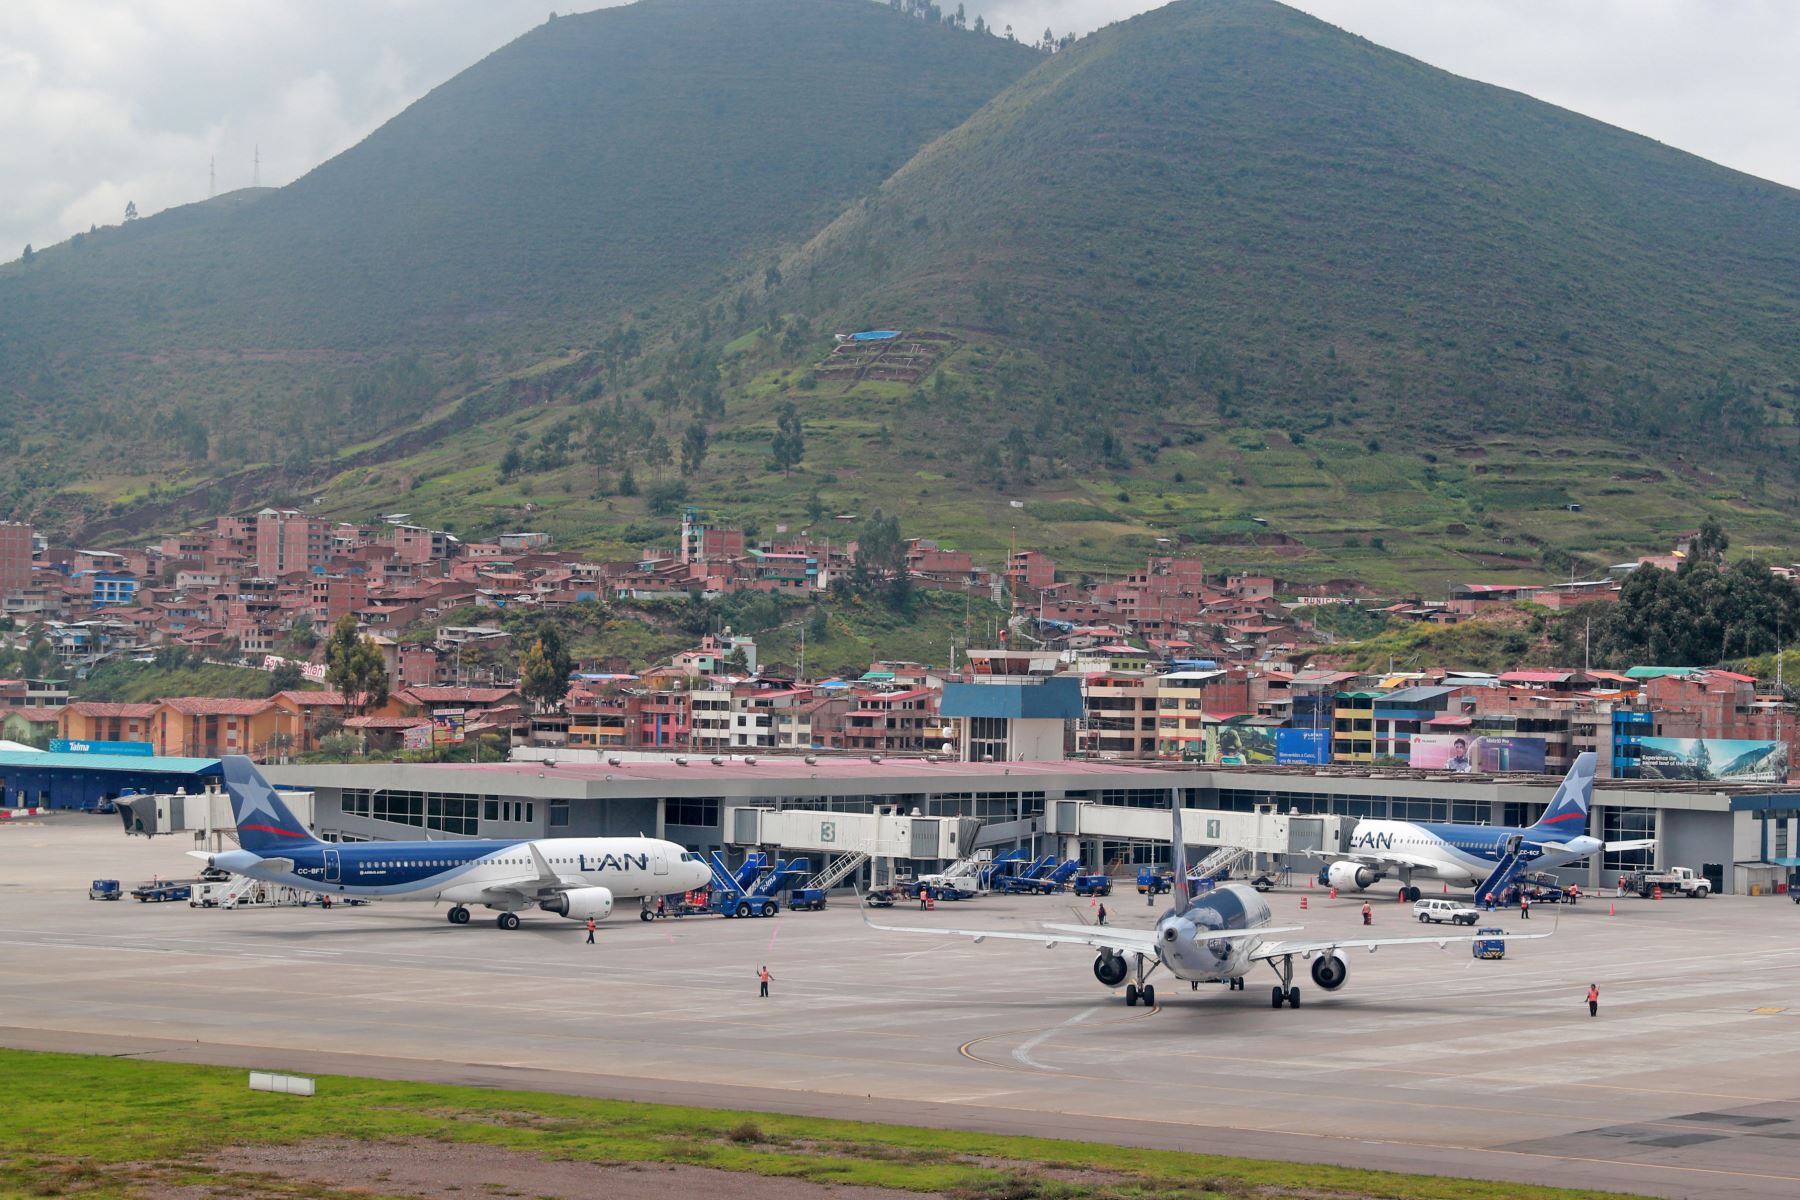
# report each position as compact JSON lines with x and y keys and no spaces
{"x":19,"y":759}
{"x":875,"y":335}
{"x":1055,"y":699}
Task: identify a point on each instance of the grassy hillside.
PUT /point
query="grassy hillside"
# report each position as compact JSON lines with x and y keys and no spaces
{"x":1220,"y":278}
{"x":554,"y":191}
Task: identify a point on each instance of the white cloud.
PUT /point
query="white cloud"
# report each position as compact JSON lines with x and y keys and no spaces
{"x":106,"y":101}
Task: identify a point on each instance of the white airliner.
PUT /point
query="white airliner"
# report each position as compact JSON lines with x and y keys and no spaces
{"x":1217,"y":937}
{"x":1483,"y":857}
{"x":578,"y":878}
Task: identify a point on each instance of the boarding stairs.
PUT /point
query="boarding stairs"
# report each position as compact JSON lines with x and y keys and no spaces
{"x":1511,"y":864}
{"x":1220,"y":863}
{"x":837,"y":871}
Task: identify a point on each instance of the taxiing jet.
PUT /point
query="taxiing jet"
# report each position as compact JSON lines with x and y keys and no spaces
{"x":1483,"y":857}
{"x":1216,"y":937}
{"x":577,"y":878}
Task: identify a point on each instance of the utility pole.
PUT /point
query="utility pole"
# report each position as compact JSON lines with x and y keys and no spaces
{"x":212,"y":178}
{"x":256,"y":167}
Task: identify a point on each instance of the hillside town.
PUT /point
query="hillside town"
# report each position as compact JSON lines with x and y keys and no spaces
{"x":1166,"y":663}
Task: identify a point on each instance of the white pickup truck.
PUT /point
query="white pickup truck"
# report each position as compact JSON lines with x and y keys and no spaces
{"x":1675,"y":879}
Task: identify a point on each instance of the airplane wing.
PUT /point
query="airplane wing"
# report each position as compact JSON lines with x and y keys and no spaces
{"x":1101,"y":937}
{"x":1383,"y":858}
{"x":1634,"y":844}
{"x":1308,"y":949}
{"x":543,"y":882}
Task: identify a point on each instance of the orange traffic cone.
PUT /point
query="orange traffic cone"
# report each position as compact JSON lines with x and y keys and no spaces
{"x":1334,"y":893}
{"x":1446,"y":889}
{"x":1303,"y":902}
{"x":1612,"y":910}
{"x":1658,"y":895}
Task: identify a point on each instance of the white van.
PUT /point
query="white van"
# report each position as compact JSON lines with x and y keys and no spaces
{"x":1440,"y":910}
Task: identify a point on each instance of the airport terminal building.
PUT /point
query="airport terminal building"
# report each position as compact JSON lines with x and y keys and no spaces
{"x":1088,"y":809}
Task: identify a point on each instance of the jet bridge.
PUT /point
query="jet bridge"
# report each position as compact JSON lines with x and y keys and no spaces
{"x":1263,"y":831}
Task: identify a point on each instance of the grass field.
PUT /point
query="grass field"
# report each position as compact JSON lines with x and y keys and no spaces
{"x":118,"y":1129}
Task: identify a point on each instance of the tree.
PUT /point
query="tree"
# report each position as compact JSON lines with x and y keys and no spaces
{"x":354,"y":666}
{"x":815,"y":507}
{"x":1710,"y":544}
{"x":302,"y":635}
{"x":656,"y":453}
{"x":880,"y":551}
{"x":28,"y":252}
{"x":693,"y":448}
{"x":790,"y":438}
{"x":286,"y":677}
{"x":511,"y":462}
{"x":737,"y":662}
{"x":539,"y":680}
{"x":131,"y":210}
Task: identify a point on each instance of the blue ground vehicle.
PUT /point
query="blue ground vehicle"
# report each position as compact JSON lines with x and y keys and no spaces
{"x":1490,"y":944}
{"x":1153,"y":882}
{"x":1093,"y":885}
{"x":155,"y":893}
{"x":105,"y":889}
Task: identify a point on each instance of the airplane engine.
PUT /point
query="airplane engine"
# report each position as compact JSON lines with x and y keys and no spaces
{"x":1329,"y":972}
{"x":1110,"y":969}
{"x":578,"y":904}
{"x":1348,"y":876}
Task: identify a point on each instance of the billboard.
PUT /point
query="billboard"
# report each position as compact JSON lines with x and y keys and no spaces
{"x":1485,"y":752}
{"x":1719,"y":760}
{"x":1302,"y":747}
{"x":1240,"y":745}
{"x":73,"y":746}
{"x":447,"y":727}
{"x":417,"y":738}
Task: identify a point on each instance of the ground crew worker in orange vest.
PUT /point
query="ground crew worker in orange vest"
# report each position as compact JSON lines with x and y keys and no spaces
{"x":1525,"y":907}
{"x":590,"y":940}
{"x":762,"y":979}
{"x":1368,"y":914}
{"x":1593,"y":999}
{"x":922,"y":895}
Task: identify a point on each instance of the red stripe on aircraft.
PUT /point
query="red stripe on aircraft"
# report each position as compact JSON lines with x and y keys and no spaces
{"x":272,"y":829}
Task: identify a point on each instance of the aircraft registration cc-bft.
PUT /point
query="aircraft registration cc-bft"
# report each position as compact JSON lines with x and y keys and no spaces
{"x":577,"y":878}
{"x":1216,"y":937}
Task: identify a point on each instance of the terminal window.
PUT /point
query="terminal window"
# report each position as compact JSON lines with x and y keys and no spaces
{"x":692,"y":811}
{"x":1628,"y":824}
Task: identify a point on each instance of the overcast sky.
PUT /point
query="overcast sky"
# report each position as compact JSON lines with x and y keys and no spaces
{"x":105,"y":101}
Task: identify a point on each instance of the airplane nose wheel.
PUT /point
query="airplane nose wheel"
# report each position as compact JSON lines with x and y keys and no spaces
{"x":458,"y":915}
{"x":507,"y":920}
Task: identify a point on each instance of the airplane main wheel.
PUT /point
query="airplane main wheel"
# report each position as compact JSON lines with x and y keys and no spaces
{"x":507,"y":920}
{"x":459,"y":915}
{"x":1131,"y":995}
{"x":1413,"y":894}
{"x":645,"y":914}
{"x":1149,"y":996}
{"x":1277,"y":998}
{"x":1293,"y":997}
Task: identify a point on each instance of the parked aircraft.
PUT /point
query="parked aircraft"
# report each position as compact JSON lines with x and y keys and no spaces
{"x":1483,"y":857}
{"x":1218,"y":936}
{"x":577,"y":878}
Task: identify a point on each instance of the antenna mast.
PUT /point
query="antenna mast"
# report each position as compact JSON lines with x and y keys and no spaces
{"x":256,"y":167}
{"x":212,"y":178}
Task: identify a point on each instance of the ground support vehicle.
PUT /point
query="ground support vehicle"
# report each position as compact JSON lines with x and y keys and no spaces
{"x":1491,"y":943}
{"x":1675,"y":879}
{"x":156,"y":893}
{"x":1152,"y":882}
{"x":1439,"y":910}
{"x":105,"y":889}
{"x":1093,"y":885}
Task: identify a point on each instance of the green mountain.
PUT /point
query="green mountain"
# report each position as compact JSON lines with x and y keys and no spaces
{"x":589,"y":170}
{"x":1220,"y":276}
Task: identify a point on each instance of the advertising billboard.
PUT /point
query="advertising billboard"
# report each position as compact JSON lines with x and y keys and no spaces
{"x":416,"y":738}
{"x":73,"y":746}
{"x":1487,"y":753}
{"x":1302,"y":747}
{"x":1240,"y":745}
{"x":447,"y":727}
{"x":1714,"y":760}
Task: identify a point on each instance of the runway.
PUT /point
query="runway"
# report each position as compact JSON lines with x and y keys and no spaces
{"x":1427,"y":1060}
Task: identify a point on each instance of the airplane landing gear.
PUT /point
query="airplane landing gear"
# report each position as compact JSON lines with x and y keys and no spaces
{"x":1141,"y":991}
{"x":1286,"y":993}
{"x":507,"y":920}
{"x":458,"y":915}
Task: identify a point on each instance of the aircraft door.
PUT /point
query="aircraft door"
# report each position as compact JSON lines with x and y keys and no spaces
{"x":332,"y":869}
{"x":659,"y":860}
